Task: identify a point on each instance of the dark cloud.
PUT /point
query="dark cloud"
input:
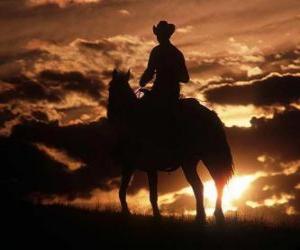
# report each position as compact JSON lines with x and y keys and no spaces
{"x":274,"y":185}
{"x":51,"y":86}
{"x":268,"y":137}
{"x":61,"y":3}
{"x":89,"y":142}
{"x":268,"y":91}
{"x":295,"y":202}
{"x":5,"y":116}
{"x":40,"y":116}
{"x":25,"y":169}
{"x":22,"y":55}
{"x":103,"y":45}
{"x":92,"y":144}
{"x":28,"y":89}
{"x":73,"y":81}
{"x":273,"y":192}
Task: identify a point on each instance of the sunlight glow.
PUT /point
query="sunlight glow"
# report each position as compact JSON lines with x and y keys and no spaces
{"x":241,"y":115}
{"x":232,"y":192}
{"x":139,"y":202}
{"x":238,"y":115}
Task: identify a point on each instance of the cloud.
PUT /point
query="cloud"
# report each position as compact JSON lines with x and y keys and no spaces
{"x":247,"y":53}
{"x":274,"y":191}
{"x":60,"y":3}
{"x":22,"y":171}
{"x":52,"y":95}
{"x":180,"y":205}
{"x":89,"y":57}
{"x":274,"y":89}
{"x":124,"y":12}
{"x":61,"y":156}
{"x":91,"y":145}
{"x":56,"y":79}
{"x":269,"y":137}
{"x":83,"y":145}
{"x":185,"y":29}
{"x":241,"y":115}
{"x":72,"y":81}
{"x":5,"y":116}
{"x":241,"y":62}
{"x":27,"y":89}
{"x":251,"y":71}
{"x":59,"y":162}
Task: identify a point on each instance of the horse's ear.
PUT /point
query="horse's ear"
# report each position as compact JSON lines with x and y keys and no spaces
{"x":114,"y":74}
{"x":154,"y":30}
{"x":128,"y":75}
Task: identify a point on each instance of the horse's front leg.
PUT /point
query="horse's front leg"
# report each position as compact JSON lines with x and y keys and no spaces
{"x":125,"y":179}
{"x":152,"y":179}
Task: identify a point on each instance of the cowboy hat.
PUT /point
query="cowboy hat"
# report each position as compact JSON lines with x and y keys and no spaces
{"x":164,"y":28}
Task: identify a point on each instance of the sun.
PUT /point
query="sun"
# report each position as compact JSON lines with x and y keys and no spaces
{"x":232,"y":192}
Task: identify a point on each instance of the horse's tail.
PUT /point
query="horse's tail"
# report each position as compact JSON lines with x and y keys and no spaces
{"x":217,"y":153}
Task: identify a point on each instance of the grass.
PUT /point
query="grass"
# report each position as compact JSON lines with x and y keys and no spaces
{"x":63,"y":227}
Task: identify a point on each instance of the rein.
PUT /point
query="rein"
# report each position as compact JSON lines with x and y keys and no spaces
{"x":140,"y":92}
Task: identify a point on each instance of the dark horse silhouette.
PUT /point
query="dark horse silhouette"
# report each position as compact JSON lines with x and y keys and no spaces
{"x":199,"y":135}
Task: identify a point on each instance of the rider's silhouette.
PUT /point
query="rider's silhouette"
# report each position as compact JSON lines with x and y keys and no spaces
{"x":168,"y":63}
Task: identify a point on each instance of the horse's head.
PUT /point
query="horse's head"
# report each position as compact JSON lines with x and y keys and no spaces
{"x":121,"y":100}
{"x":119,"y":77}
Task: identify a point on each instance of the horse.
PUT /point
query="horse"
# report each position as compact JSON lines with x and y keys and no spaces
{"x":199,"y":136}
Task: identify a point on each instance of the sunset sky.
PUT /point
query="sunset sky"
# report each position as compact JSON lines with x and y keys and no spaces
{"x":244,"y":62}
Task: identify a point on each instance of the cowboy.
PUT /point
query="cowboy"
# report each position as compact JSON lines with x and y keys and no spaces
{"x":168,"y":64}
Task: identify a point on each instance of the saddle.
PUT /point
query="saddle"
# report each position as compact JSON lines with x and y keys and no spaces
{"x":163,"y":134}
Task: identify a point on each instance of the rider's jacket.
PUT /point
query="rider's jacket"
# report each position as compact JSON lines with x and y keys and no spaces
{"x":168,"y":64}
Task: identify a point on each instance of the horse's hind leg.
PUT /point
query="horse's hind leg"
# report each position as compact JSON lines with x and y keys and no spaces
{"x":125,"y":179}
{"x":152,"y":179}
{"x":219,"y":215}
{"x":190,"y":172}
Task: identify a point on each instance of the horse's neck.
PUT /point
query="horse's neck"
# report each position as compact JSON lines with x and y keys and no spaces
{"x":122,"y":101}
{"x":128,"y":90}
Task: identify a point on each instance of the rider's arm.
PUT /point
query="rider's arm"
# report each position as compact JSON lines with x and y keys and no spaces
{"x":149,"y":72}
{"x":184,"y":74}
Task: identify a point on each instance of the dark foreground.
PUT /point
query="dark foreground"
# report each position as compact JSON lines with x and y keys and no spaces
{"x":28,"y":226}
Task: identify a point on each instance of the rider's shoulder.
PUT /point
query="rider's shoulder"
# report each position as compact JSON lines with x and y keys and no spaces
{"x":175,"y":49}
{"x":156,"y":49}
{"x":177,"y":52}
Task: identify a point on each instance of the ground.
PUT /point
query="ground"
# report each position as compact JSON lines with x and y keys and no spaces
{"x":62,"y":227}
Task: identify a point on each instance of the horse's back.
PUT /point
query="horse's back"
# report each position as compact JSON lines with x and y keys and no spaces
{"x":191,"y":106}
{"x":197,"y":117}
{"x":208,"y":133}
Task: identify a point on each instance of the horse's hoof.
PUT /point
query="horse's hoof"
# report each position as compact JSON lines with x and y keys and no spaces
{"x":125,"y":212}
{"x":220,"y":218}
{"x":157,"y":215}
{"x":157,"y":219}
{"x":201,"y":219}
